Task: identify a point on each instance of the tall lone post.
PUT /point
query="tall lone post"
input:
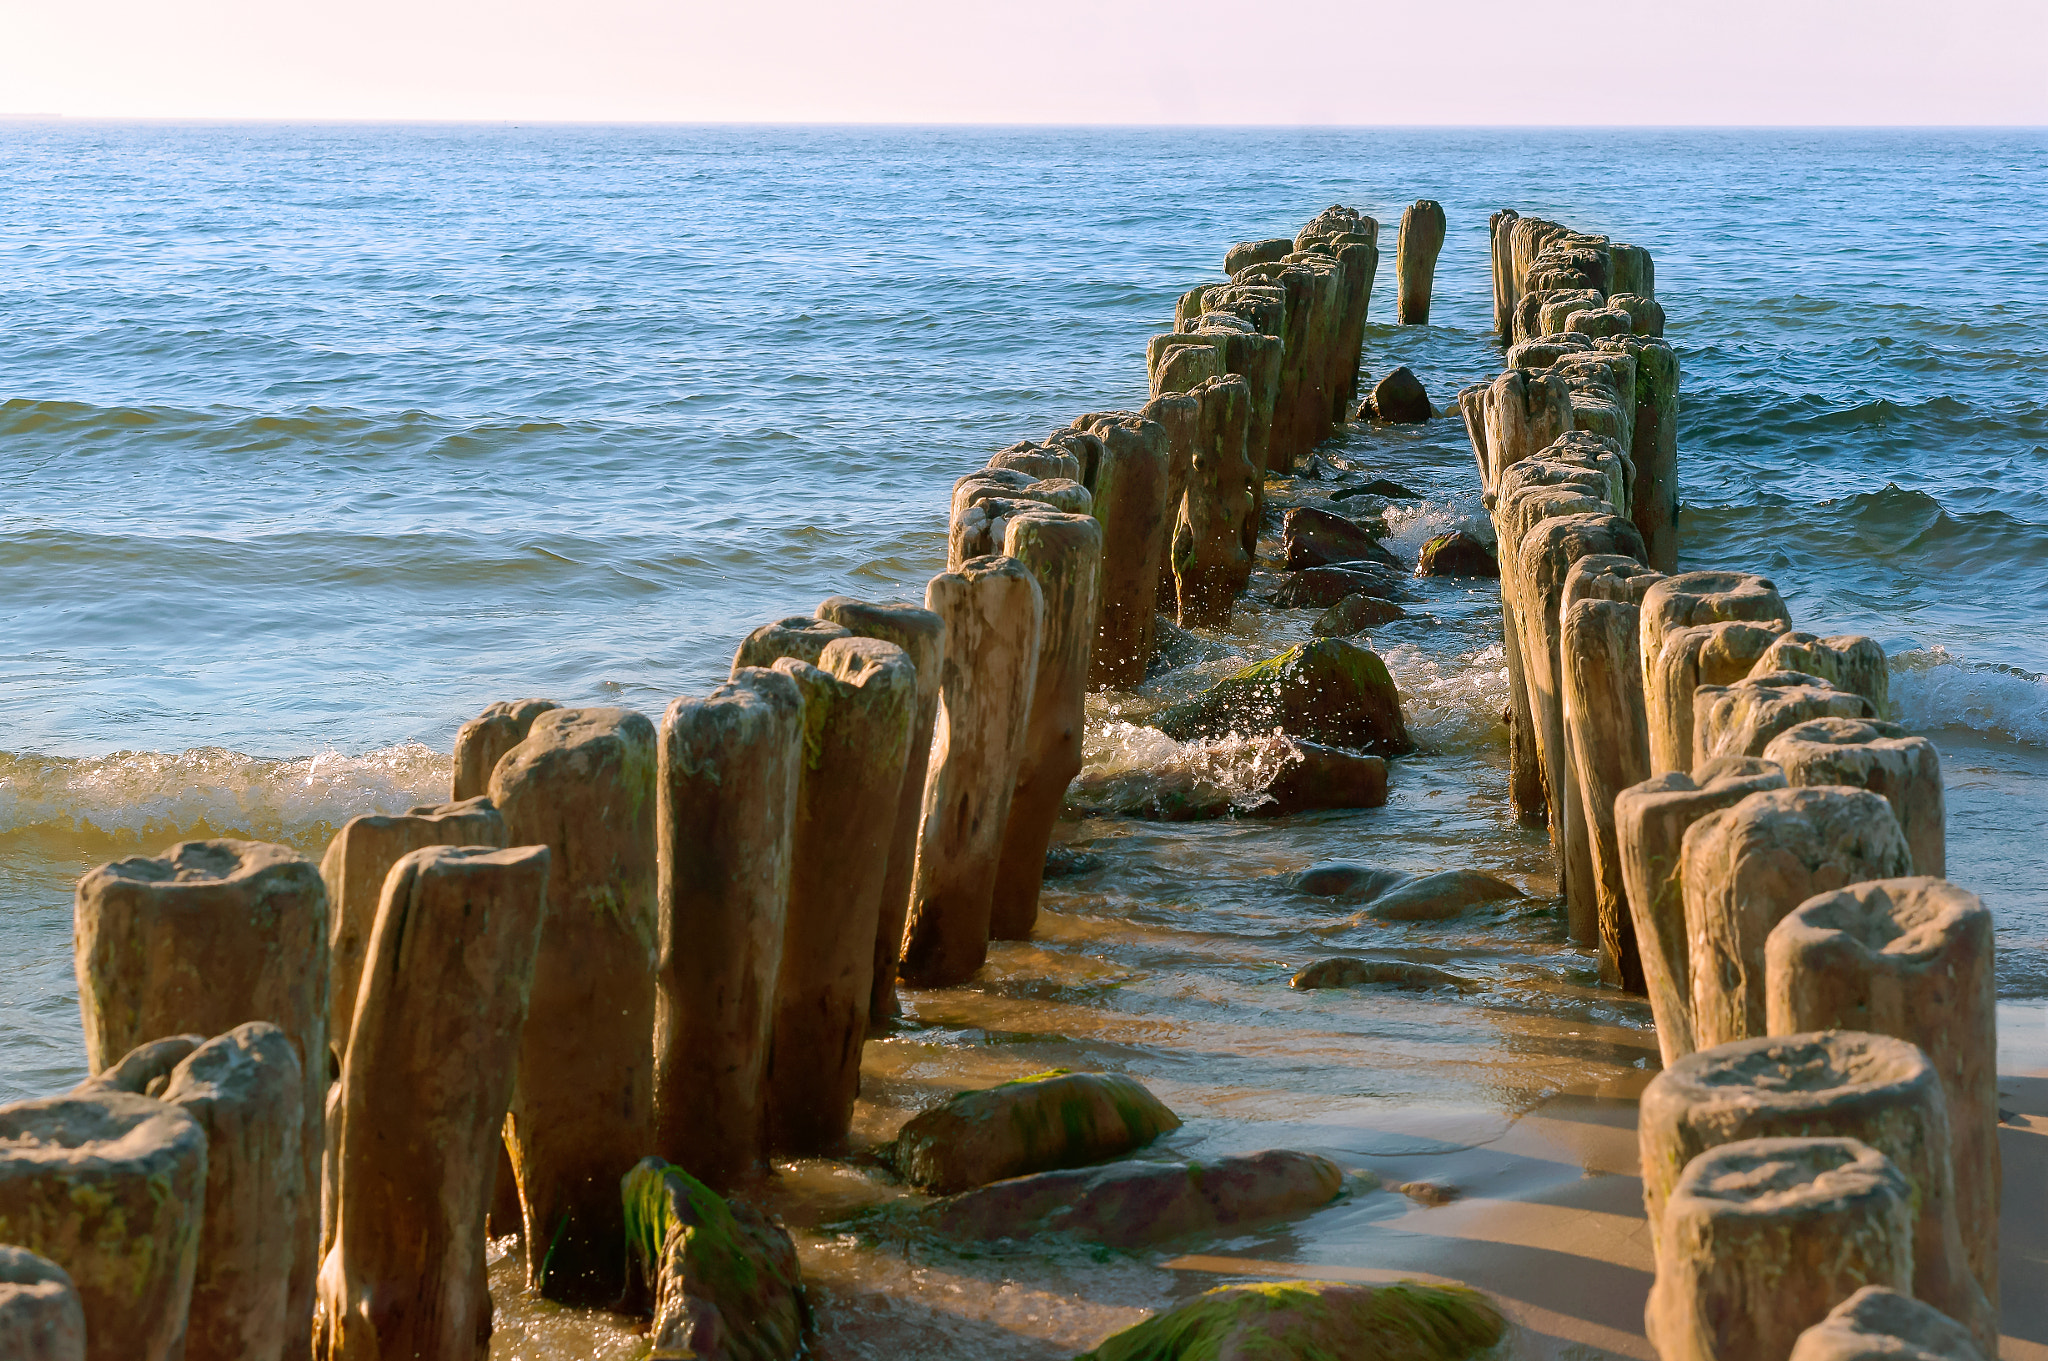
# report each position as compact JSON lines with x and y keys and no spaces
{"x":425,"y":1086}
{"x":582,"y":784}
{"x":197,"y":941}
{"x":1422,"y":237}
{"x":1064,"y":553}
{"x":729,"y":768}
{"x":858,"y":704}
{"x":993,"y":611}
{"x":922,"y":636}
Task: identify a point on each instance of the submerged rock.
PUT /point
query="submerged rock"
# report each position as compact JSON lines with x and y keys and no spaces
{"x":1433,"y":897}
{"x":1067,"y":862}
{"x":1343,"y":879}
{"x":1329,"y":691}
{"x":1317,"y":587}
{"x":1048,"y":1120}
{"x":1309,"y":776}
{"x":1317,"y":538}
{"x":1347,"y":972}
{"x":1379,"y":486}
{"x":1134,"y":1204}
{"x":1174,"y":647}
{"x":1398,"y":399}
{"x":1355,"y":614}
{"x":1267,"y":776}
{"x":1310,"y":1320}
{"x":1456,"y":554}
{"x":722,"y":1276}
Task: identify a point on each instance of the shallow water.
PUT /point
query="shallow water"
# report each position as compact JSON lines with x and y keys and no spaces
{"x":319,"y":439}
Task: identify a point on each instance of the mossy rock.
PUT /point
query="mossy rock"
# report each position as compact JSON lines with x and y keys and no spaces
{"x":1316,"y":1321}
{"x":722,"y":1276}
{"x":1331,"y":691}
{"x":1034,"y":1124}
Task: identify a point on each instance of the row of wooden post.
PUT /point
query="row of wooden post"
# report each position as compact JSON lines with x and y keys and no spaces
{"x":620,"y":937}
{"x":1746,"y":839}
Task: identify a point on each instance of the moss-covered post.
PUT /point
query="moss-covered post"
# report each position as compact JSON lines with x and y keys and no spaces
{"x":1064,"y":553}
{"x":1821,"y":1084}
{"x":430,"y":1071}
{"x":1129,"y":485}
{"x":1651,"y":820}
{"x":1685,"y":601}
{"x":1881,"y":758}
{"x":1693,"y":659}
{"x":922,"y":636}
{"x":858,"y":704}
{"x":40,"y":1316}
{"x":994,"y":612}
{"x":486,"y":738}
{"x":199,"y":940}
{"x":728,"y":769}
{"x":1422,"y":239}
{"x":1763,"y":1236}
{"x":1653,"y":443}
{"x":1606,"y":732}
{"x":112,"y":1187}
{"x":1914,"y":959}
{"x":582,"y":784}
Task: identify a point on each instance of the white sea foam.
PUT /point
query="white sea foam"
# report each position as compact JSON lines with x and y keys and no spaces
{"x":1933,"y":688}
{"x":149,"y":797}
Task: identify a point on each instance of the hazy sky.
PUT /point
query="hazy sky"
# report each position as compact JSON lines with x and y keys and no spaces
{"x":1042,"y":61}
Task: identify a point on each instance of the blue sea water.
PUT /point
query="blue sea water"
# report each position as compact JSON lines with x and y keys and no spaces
{"x":316,"y":439}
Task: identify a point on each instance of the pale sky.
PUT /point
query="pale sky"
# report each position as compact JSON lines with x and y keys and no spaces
{"x":1481,"y":62}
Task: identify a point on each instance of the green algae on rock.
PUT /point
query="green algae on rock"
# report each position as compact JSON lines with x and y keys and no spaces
{"x":1344,"y":971}
{"x":722,"y":1276}
{"x":1048,"y":1120}
{"x":1315,"y":1321}
{"x":1329,"y":691}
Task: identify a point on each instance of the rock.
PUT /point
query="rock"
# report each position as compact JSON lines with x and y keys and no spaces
{"x":112,"y":1187}
{"x":1318,"y":587}
{"x":1456,"y":554}
{"x":1328,"y":691}
{"x":1400,"y":399}
{"x":728,"y":768}
{"x":922,"y":636}
{"x":993,"y":611}
{"x":40,"y":1317}
{"x":1316,"y":538}
{"x":1340,"y":879}
{"x":1881,"y":758}
{"x":1762,"y":1236}
{"x":1913,"y":959}
{"x":199,"y":940}
{"x":485,"y":739}
{"x":1297,"y":1320}
{"x":1066,"y":862}
{"x":1309,"y":775}
{"x":431,"y":1065}
{"x":1133,"y":1204}
{"x":1422,"y":237}
{"x":1347,"y":972}
{"x":1430,"y":1193}
{"x":1379,"y":486}
{"x":1821,"y":1084}
{"x":1355,"y":614}
{"x":1876,"y":1324}
{"x":1048,"y":1120}
{"x":722,"y":1277}
{"x":583,"y":785}
{"x":1064,"y":553}
{"x":1434,"y":897}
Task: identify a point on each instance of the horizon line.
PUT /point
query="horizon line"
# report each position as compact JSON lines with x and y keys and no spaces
{"x":993,"y":124}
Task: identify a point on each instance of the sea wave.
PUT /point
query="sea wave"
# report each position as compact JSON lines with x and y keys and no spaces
{"x":133,"y":800}
{"x":1932,"y":688}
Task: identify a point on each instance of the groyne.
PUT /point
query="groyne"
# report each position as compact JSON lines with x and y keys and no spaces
{"x":875,"y":787}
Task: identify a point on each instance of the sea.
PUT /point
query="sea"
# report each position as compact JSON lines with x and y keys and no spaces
{"x":316,"y":439}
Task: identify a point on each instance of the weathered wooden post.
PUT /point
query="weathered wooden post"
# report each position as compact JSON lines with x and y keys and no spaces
{"x":922,"y":636}
{"x":727,"y":772}
{"x":1692,"y":659}
{"x":1876,"y":1324}
{"x":858,"y":704}
{"x":582,"y":784}
{"x":1881,"y":758}
{"x":1741,"y":718}
{"x":1210,"y":560}
{"x":1910,"y":958}
{"x":485,"y":739}
{"x":993,"y":612}
{"x":197,"y":941}
{"x":801,"y":636}
{"x":1129,"y":487}
{"x":430,"y":1071}
{"x":1847,"y":661}
{"x":112,"y":1187}
{"x":1422,"y":239}
{"x":1499,"y":227}
{"x":1684,"y":601}
{"x":40,"y":1317}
